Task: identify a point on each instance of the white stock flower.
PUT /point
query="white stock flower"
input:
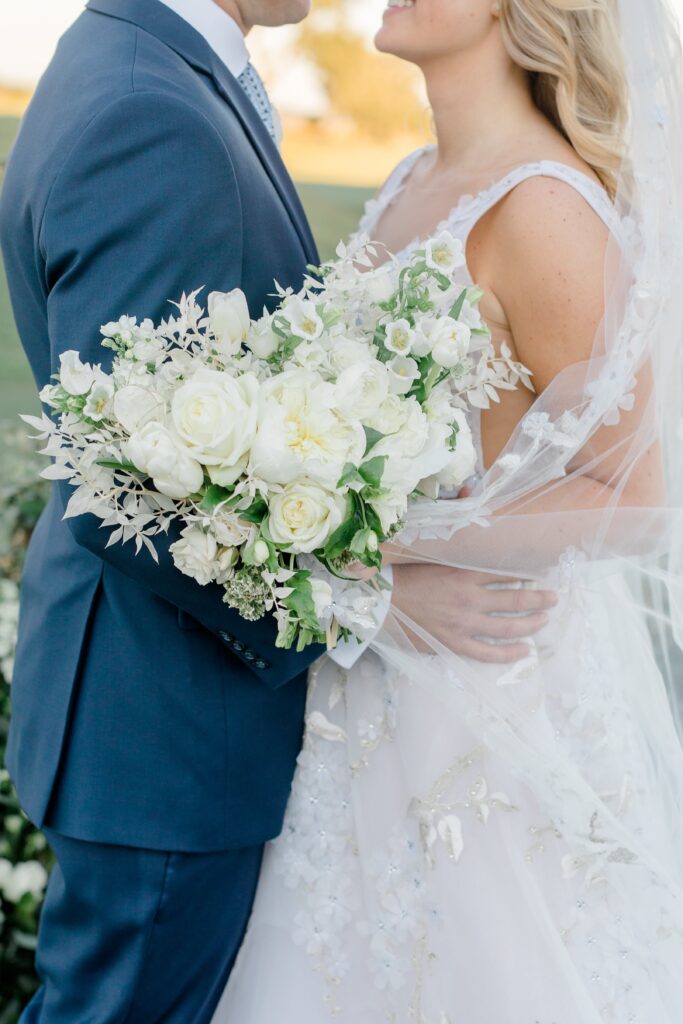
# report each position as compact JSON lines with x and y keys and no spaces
{"x":157,"y":452}
{"x":450,"y":342}
{"x":362,"y":388}
{"x":404,"y":371}
{"x":399,"y":338}
{"x":322,"y":598}
{"x":195,"y":555}
{"x":444,"y":253}
{"x":304,"y":515}
{"x":75,"y":377}
{"x":262,"y":339}
{"x":135,"y":406}
{"x":229,"y":319}
{"x":215,"y":417}
{"x":303,"y":318}
{"x":20,"y":879}
{"x":301,"y":433}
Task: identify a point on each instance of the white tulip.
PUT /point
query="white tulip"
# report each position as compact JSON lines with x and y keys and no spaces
{"x":215,"y":417}
{"x":27,"y":877}
{"x":262,"y":339}
{"x":303,"y":318}
{"x":195,"y":555}
{"x":135,"y":406}
{"x":157,"y":452}
{"x":230,"y":320}
{"x":451,"y":342}
{"x":403,"y":372}
{"x":304,"y":515}
{"x":322,"y":598}
{"x":399,"y":337}
{"x":444,"y":253}
{"x":75,"y":377}
{"x":99,"y":401}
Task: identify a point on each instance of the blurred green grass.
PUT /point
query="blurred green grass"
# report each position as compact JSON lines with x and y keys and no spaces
{"x":334,"y":212}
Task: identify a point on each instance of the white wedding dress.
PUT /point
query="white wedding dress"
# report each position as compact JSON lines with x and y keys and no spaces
{"x":422,"y":879}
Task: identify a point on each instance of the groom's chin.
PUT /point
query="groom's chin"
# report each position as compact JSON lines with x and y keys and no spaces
{"x":288,"y":12}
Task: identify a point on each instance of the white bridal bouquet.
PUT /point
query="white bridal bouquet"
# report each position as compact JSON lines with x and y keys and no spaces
{"x":288,"y":448}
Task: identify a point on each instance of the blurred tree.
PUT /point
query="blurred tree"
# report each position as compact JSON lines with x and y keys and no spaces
{"x":377,"y":92}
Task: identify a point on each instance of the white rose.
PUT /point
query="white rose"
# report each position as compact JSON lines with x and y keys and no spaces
{"x":403,"y":371}
{"x":303,"y":318}
{"x":215,"y":417}
{"x":345,"y":353}
{"x":322,"y":598}
{"x":135,"y":406}
{"x":262,"y":340}
{"x":301,"y":433}
{"x":75,"y":377}
{"x":362,"y":388}
{"x":410,"y":430}
{"x":399,"y":337}
{"x":304,"y":515}
{"x":226,"y":561}
{"x":439,"y":405}
{"x":229,"y":529}
{"x":388,"y":417}
{"x":155,"y":451}
{"x":230,"y":320}
{"x":451,"y":342}
{"x":29,"y":877}
{"x":195,"y":555}
{"x":445,"y":253}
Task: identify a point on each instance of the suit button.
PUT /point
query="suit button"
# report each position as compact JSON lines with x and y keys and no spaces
{"x":227,"y":637}
{"x":249,"y":656}
{"x":260,"y":663}
{"x":237,"y":646}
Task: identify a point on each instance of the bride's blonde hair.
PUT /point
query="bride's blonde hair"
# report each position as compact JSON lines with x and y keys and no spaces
{"x":573,"y":53}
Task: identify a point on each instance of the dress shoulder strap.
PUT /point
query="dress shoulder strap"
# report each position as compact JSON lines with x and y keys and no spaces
{"x":471,"y":209}
{"x":376,"y":206}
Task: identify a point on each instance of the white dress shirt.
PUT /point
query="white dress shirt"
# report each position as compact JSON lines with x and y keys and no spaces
{"x":220,"y":30}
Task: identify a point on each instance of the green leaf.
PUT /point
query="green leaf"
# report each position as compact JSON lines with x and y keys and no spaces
{"x":256,"y":512}
{"x":456,"y":308}
{"x":300,"y":601}
{"x":372,"y":437}
{"x":214,"y":496}
{"x":340,"y":540}
{"x":124,"y":467}
{"x":349,"y":475}
{"x":373,"y":470}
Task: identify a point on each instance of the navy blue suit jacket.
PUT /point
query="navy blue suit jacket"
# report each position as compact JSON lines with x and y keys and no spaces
{"x":145,"y":711}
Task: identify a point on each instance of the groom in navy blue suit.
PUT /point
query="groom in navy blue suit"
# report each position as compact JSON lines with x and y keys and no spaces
{"x":154,"y":732}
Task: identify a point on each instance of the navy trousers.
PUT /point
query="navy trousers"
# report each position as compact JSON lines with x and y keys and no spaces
{"x":139,"y":937}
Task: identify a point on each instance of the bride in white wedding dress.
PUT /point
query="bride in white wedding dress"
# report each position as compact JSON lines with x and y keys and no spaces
{"x":479,"y":843}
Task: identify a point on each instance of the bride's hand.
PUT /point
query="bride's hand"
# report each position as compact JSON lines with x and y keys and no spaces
{"x":460,"y":609}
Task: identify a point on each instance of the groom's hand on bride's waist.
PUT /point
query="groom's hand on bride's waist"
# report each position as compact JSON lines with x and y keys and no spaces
{"x":474,"y":614}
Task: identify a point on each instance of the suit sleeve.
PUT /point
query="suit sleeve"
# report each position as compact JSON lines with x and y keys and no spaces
{"x":147,"y":207}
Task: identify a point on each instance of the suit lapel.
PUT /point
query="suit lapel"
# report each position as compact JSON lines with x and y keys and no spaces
{"x":160,"y":21}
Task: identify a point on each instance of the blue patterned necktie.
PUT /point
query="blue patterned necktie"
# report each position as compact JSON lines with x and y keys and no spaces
{"x":253,"y":86}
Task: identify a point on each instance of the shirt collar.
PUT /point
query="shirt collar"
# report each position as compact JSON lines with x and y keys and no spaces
{"x":221,"y":32}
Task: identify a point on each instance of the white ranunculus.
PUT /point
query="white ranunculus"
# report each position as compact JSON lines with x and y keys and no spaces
{"x":362,"y":388}
{"x":229,"y":319}
{"x":399,"y":337}
{"x":75,"y":377}
{"x":322,"y":598}
{"x":195,"y":554}
{"x":302,"y":433}
{"x":451,"y":342}
{"x":380,"y":284}
{"x":444,"y":253}
{"x":303,"y":318}
{"x":215,"y":418}
{"x":157,"y":452}
{"x":28,"y":877}
{"x":388,"y":417}
{"x":135,"y":406}
{"x":304,"y":515}
{"x":439,"y":405}
{"x":346,"y":352}
{"x":403,"y":372}
{"x":262,"y":339}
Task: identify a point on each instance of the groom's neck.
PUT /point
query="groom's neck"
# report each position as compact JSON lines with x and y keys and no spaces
{"x":232,"y":9}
